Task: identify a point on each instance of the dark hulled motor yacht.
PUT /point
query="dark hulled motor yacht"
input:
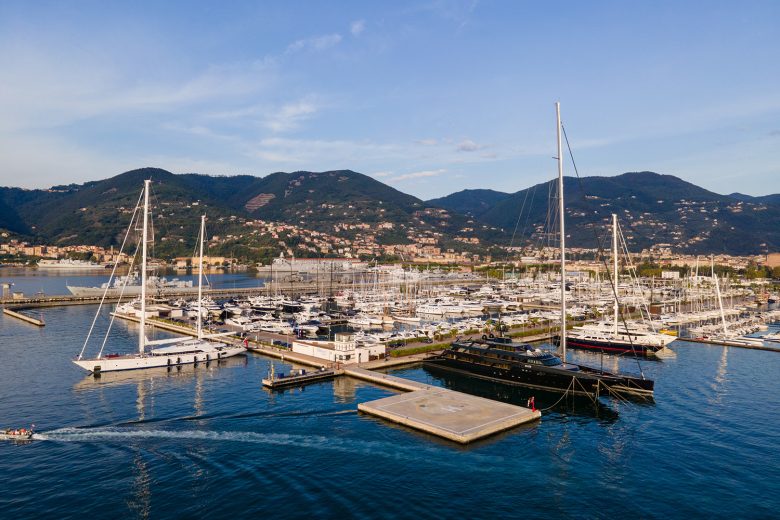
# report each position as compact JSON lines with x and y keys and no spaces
{"x":499,"y":359}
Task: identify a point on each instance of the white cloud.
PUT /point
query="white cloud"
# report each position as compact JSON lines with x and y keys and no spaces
{"x":289,"y":116}
{"x":317,"y":43}
{"x":418,"y":175}
{"x":427,"y":142}
{"x":381,"y":174}
{"x":357,"y":27}
{"x":44,"y":93}
{"x":469,"y":146}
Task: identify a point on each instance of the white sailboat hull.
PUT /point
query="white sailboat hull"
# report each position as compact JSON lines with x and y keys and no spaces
{"x":141,"y":361}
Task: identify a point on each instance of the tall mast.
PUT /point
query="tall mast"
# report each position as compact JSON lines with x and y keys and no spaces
{"x":200,"y":276}
{"x":720,"y":302}
{"x":615,"y":270}
{"x":563,"y":231}
{"x":142,"y":335}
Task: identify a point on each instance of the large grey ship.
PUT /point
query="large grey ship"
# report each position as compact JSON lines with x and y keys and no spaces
{"x":130,"y":285}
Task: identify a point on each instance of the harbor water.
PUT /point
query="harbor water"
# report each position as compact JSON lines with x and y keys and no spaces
{"x":209,"y":441}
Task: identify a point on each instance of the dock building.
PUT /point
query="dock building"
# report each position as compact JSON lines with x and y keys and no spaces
{"x":343,"y":349}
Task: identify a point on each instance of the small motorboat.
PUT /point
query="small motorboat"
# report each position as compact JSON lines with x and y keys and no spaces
{"x":17,"y":434}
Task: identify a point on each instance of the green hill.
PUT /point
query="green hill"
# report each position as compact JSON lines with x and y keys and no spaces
{"x":470,"y":202}
{"x":652,"y":208}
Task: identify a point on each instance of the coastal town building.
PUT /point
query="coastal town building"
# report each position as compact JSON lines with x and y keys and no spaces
{"x":343,"y":349}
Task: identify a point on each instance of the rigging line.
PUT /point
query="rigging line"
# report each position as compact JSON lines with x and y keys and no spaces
{"x":113,"y":272}
{"x":635,"y":280}
{"x":592,"y":398}
{"x":565,"y":393}
{"x":524,"y":232}
{"x":121,"y":293}
{"x":519,"y":216}
{"x":613,"y":283}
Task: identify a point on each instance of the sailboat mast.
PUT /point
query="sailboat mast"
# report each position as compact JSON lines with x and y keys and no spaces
{"x":615,"y":270}
{"x":563,"y":231}
{"x":720,"y":302}
{"x":142,"y":334}
{"x":200,"y":276}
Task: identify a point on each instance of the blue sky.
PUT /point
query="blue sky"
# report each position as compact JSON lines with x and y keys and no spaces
{"x":429,"y":97}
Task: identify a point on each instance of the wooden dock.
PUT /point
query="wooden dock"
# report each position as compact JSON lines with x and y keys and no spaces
{"x":29,"y":319}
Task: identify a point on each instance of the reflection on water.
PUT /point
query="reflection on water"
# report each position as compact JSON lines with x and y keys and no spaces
{"x":141,"y":501}
{"x":552,"y":402}
{"x":344,"y":389}
{"x":172,"y":444}
{"x":720,"y":382}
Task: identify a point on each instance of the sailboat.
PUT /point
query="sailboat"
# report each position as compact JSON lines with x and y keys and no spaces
{"x":617,"y":337}
{"x":177,"y":351}
{"x":500,"y":359}
{"x":729,"y":336}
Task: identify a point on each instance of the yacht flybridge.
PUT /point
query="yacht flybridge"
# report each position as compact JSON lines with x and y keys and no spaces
{"x":169,"y":352}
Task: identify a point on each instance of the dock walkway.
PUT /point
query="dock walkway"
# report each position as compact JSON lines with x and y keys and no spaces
{"x":29,"y":319}
{"x":456,"y":416}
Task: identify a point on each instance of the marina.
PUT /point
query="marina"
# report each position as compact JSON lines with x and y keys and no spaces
{"x":451,"y":259}
{"x":176,"y":424}
{"x":456,"y":416}
{"x":468,"y":338}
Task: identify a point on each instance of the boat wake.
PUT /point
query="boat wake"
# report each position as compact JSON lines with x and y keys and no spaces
{"x":352,"y":446}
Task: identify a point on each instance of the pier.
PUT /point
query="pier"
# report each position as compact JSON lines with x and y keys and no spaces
{"x":731,"y":344}
{"x":286,"y":288}
{"x":8,"y":311}
{"x":459,"y":417}
{"x":297,"y":378}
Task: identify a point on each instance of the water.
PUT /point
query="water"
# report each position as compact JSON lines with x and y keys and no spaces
{"x":210,"y":442}
{"x":54,"y":282}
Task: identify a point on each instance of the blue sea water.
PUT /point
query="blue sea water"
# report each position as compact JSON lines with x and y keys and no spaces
{"x":211,"y":442}
{"x":54,"y":282}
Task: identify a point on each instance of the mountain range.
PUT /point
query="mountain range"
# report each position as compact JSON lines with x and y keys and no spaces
{"x":652,"y":209}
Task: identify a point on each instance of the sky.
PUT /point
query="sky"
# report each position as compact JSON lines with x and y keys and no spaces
{"x":430,"y":97}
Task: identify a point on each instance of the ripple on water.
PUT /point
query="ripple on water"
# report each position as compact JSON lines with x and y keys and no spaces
{"x":171,"y":445}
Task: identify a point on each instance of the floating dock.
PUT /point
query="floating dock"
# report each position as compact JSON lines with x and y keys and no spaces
{"x":23,"y":317}
{"x":298,"y":379}
{"x":456,"y":416}
{"x":731,"y":344}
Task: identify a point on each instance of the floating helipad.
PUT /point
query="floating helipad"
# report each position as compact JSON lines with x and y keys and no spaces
{"x":453,"y":415}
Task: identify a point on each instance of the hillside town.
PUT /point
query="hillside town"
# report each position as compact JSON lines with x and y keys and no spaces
{"x":296,"y":242}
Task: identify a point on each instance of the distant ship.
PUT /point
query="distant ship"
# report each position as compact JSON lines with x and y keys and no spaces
{"x":132,"y":287}
{"x":67,"y":263}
